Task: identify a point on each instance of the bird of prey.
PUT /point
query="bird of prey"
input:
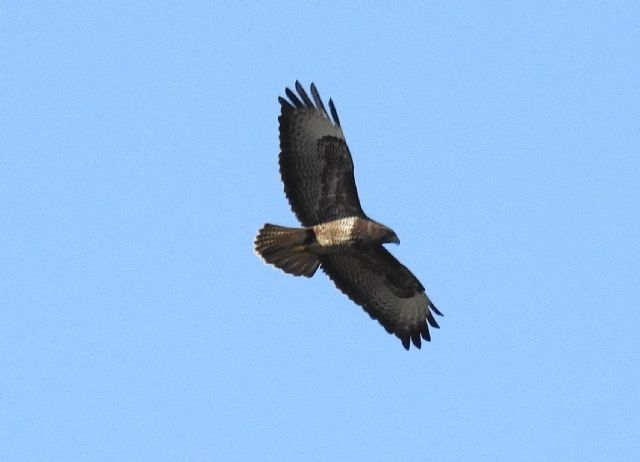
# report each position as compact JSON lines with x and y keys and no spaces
{"x":336,"y":235}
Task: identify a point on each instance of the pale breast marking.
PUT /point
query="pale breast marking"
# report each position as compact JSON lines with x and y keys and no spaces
{"x":335,"y":232}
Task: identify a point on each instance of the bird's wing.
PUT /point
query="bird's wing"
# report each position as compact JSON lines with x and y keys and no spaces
{"x":386,"y":289}
{"x":315,"y":162}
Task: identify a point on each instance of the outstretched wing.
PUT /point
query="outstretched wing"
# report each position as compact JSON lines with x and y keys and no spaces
{"x":386,"y":289}
{"x":315,"y":163}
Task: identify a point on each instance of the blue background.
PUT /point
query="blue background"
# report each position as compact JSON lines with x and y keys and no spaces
{"x":138,"y":157}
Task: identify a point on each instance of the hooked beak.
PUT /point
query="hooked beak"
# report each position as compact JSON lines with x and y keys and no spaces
{"x":395,"y":240}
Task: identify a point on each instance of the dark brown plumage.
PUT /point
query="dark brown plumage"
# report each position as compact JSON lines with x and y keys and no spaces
{"x":317,"y":171}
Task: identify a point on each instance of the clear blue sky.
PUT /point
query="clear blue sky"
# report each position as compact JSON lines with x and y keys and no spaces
{"x":138,"y":156}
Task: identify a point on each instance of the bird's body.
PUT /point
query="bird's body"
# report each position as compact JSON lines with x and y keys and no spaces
{"x":336,"y":233}
{"x":350,"y":231}
{"x":317,"y":171}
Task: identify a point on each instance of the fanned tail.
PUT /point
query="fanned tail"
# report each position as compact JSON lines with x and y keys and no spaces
{"x":286,"y":248}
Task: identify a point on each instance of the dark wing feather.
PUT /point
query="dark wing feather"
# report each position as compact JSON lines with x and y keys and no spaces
{"x":317,"y":99}
{"x":294,"y":99}
{"x":315,"y":163}
{"x":386,"y":289}
{"x":304,"y":96}
{"x":334,"y":113}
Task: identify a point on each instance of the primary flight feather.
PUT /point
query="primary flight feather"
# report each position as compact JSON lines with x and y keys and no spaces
{"x":317,"y":171}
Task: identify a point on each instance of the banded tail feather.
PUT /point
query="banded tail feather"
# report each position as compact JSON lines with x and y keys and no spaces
{"x":286,"y":249}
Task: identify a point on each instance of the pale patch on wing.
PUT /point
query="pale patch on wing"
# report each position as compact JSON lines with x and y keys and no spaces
{"x":411,"y":312}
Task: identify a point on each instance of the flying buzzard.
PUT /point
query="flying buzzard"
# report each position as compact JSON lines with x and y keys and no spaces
{"x":317,"y":172}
